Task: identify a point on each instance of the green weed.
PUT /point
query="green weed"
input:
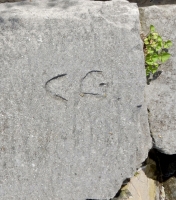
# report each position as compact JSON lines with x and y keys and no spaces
{"x":155,"y":50}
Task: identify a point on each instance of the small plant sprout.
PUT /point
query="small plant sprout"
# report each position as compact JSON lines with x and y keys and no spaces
{"x":155,"y":51}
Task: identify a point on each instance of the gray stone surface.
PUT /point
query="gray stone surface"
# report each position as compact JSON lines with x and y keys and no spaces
{"x":72,"y":86}
{"x":161,"y":93}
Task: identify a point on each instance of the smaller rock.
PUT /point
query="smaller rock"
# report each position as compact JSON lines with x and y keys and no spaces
{"x":142,"y":185}
{"x":125,"y":194}
{"x":169,"y":187}
{"x":162,"y":194}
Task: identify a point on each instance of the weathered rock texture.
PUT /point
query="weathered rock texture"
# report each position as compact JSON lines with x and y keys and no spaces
{"x":169,"y":187}
{"x":73,"y":124}
{"x":161,"y":93}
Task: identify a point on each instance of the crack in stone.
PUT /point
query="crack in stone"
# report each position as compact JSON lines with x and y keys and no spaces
{"x":153,"y":139}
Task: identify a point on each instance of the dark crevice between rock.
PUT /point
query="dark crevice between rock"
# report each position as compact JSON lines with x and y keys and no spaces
{"x":162,"y":171}
{"x":153,"y":139}
{"x":165,"y":172}
{"x":144,"y":3}
{"x":166,"y":165}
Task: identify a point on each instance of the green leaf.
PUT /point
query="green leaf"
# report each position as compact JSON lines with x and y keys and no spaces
{"x":149,"y":62}
{"x":150,"y":51}
{"x":152,"y":28}
{"x":159,"y":46}
{"x":168,"y":44}
{"x":148,"y":57}
{"x":153,"y":45}
{"x":159,"y":39}
{"x":149,"y":36}
{"x":155,"y":58}
{"x":165,"y":56}
{"x":155,"y":36}
{"x":150,"y":68}
{"x":160,"y":43}
{"x":146,"y":41}
{"x":154,"y":71}
{"x":147,"y":72}
{"x":156,"y":65}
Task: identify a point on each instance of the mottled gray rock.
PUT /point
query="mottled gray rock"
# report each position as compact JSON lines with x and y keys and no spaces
{"x":161,"y":93}
{"x":169,"y":187}
{"x":73,"y":122}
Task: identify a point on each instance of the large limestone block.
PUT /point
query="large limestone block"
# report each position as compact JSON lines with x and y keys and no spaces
{"x":161,"y":93}
{"x":72,"y":119}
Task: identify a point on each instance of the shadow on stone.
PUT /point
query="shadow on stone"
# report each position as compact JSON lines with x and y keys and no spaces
{"x":49,"y":3}
{"x":143,"y":3}
{"x":63,"y":4}
{"x":166,"y":164}
{"x":153,"y":77}
{"x":165,"y":171}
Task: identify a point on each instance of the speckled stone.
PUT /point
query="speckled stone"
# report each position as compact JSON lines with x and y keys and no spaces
{"x":72,"y":114}
{"x":161,"y":93}
{"x":169,"y":188}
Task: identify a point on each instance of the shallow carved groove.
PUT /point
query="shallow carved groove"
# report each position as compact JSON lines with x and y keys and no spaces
{"x":93,"y":83}
{"x":53,"y":85}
